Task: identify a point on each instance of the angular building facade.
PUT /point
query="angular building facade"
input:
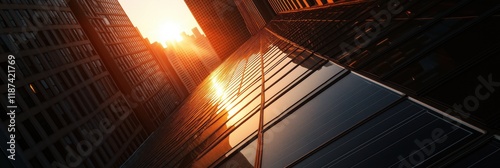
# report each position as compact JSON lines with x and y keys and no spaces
{"x":129,"y":59}
{"x":365,"y":84}
{"x":66,"y":110}
{"x":222,"y":23}
{"x":160,"y":54}
{"x":204,"y":50}
{"x":193,"y":58}
{"x":255,"y":13}
{"x":84,"y":89}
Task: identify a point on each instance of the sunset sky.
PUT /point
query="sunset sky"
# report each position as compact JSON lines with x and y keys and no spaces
{"x":160,"y":20}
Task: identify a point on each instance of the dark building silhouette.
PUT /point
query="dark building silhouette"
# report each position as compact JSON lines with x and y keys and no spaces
{"x":411,"y":84}
{"x":84,"y":80}
{"x":255,"y":13}
{"x":222,"y":23}
{"x":70,"y":110}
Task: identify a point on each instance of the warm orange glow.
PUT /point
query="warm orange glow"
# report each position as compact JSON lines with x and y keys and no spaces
{"x":32,"y":88}
{"x":170,"y":32}
{"x":218,"y":90}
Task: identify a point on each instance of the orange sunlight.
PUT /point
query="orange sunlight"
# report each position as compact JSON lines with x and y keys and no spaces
{"x":170,"y":32}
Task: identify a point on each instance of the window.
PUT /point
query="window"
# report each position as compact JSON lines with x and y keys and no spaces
{"x":342,"y":106}
{"x":3,"y":24}
{"x":36,"y":91}
{"x":401,"y":136}
{"x":67,"y":110}
{"x":60,"y":36}
{"x":53,"y":85}
{"x":45,"y":125}
{"x":61,"y":80}
{"x":41,"y":35}
{"x":26,"y":97}
{"x":23,"y":68}
{"x":55,"y":117}
{"x":485,"y":156}
{"x":10,"y":18}
{"x":82,"y":72}
{"x":30,"y":64}
{"x":31,"y":35}
{"x":97,"y":93}
{"x":47,"y":88}
{"x":38,"y":63}
{"x":20,"y":17}
{"x":33,"y":132}
{"x":52,"y":37}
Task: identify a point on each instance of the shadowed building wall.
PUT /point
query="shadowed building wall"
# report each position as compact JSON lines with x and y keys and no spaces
{"x":222,"y":23}
{"x":128,"y":58}
{"x":70,"y":110}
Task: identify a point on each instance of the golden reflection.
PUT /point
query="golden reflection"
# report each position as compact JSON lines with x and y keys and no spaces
{"x":219,"y":90}
{"x":32,"y":88}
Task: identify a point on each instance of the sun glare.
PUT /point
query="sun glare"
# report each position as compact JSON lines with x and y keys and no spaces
{"x":170,"y":32}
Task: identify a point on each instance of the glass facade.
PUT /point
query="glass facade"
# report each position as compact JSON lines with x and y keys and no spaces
{"x":321,"y":107}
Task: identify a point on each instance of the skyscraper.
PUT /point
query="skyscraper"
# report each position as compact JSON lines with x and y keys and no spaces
{"x":193,"y":58}
{"x":68,"y":109}
{"x":365,"y":84}
{"x":176,"y":81}
{"x":129,"y":59}
{"x":204,"y":50}
{"x":255,"y":13}
{"x":222,"y":23}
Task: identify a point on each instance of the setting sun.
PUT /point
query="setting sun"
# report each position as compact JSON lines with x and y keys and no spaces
{"x":170,"y":32}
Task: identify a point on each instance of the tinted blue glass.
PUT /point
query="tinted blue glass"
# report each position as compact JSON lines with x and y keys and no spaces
{"x":335,"y":110}
{"x":486,"y":156}
{"x":406,"y":135}
{"x":298,"y":92}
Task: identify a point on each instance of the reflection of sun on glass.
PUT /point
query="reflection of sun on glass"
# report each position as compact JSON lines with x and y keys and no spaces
{"x":218,"y":89}
{"x":170,"y":32}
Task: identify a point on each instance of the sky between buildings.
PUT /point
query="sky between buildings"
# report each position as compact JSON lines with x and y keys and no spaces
{"x":160,"y":20}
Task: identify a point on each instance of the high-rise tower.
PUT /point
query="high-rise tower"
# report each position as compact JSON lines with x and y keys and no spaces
{"x":128,"y":59}
{"x":222,"y":23}
{"x":67,"y":109}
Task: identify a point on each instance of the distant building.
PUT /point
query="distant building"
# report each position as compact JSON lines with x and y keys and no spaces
{"x":204,"y":50}
{"x":222,"y":23}
{"x":175,"y":80}
{"x":180,"y":68}
{"x":193,"y":58}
